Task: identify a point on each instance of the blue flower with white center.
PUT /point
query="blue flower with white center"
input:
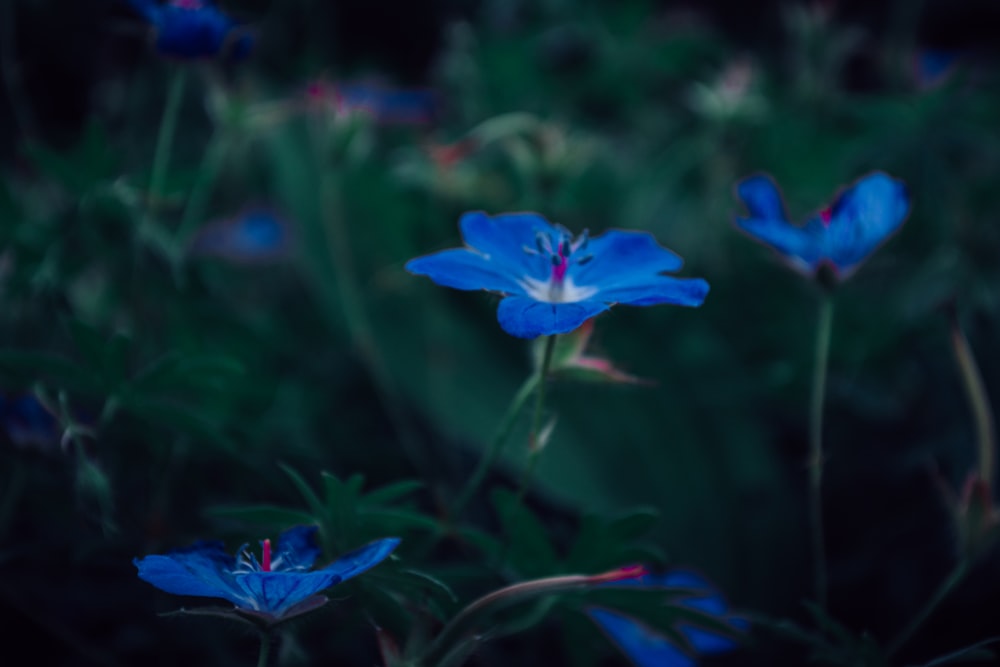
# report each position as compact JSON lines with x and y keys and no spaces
{"x":840,"y":237}
{"x":191,"y":29}
{"x":552,"y":282}
{"x":648,"y":648}
{"x":279,"y":585}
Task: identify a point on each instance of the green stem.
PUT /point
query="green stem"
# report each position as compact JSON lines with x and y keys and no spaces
{"x":495,"y":446}
{"x":194,"y":211}
{"x":534,"y":447}
{"x":824,"y":330}
{"x":164,"y":144}
{"x":351,"y":303}
{"x":979,"y":400}
{"x":265,"y":648}
{"x":946,"y":587}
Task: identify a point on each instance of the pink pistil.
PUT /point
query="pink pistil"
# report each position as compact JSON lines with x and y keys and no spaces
{"x":265,"y":564}
{"x":559,"y":269}
{"x":825,"y":215}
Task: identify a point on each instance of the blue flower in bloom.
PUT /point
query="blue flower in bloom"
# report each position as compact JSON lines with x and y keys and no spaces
{"x":648,"y":648}
{"x":192,"y":29}
{"x":258,"y":235}
{"x":552,"y":282}
{"x":270,"y":588}
{"x":841,"y":236}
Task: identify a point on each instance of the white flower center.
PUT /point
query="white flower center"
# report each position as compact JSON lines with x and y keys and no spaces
{"x":557,"y":291}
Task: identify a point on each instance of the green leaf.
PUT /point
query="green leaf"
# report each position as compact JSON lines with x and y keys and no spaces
{"x":396,"y":520}
{"x":391,"y":492}
{"x":179,"y":418}
{"x":265,"y":515}
{"x":316,"y":506}
{"x":26,"y":366}
{"x":530,"y":550}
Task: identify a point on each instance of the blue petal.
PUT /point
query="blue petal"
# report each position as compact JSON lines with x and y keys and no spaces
{"x":622,"y":258}
{"x":465,"y":270}
{"x":355,"y":562}
{"x":201,"y":570}
{"x":642,"y":645}
{"x":802,"y":247}
{"x":863,"y":217}
{"x":275,"y":592}
{"x":762,"y":198}
{"x":197,"y":33}
{"x":297,"y":549}
{"x":656,"y":290}
{"x":525,"y":317}
{"x":503,"y":239}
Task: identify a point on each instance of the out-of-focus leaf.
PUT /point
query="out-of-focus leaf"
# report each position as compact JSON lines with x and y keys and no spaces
{"x":529,"y":549}
{"x":390,"y":492}
{"x":266,"y":515}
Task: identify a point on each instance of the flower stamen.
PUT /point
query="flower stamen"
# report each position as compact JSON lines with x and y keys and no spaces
{"x":265,"y":561}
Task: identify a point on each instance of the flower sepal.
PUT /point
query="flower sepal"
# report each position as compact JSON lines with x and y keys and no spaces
{"x":258,"y":619}
{"x":570,"y":361}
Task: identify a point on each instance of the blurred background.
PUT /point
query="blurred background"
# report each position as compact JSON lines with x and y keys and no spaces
{"x":178,"y":365}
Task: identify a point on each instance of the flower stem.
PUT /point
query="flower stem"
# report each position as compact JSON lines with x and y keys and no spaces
{"x":824,"y":330}
{"x":946,"y":587}
{"x":534,"y":447}
{"x":264,"y":656}
{"x":194,"y":211}
{"x":164,"y":145}
{"x":495,"y":446}
{"x":979,"y":400}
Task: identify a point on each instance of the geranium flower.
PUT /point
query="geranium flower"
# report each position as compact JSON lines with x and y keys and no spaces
{"x":841,"y":236}
{"x":552,"y":282}
{"x":190,"y":29}
{"x":648,"y":648}
{"x":274,"y":588}
{"x":256,"y":235}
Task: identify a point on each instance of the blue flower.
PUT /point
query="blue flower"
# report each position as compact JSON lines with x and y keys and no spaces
{"x":257,"y":235}
{"x":841,"y":237}
{"x":191,"y":29}
{"x":552,"y":282}
{"x":648,"y":648}
{"x":28,"y":423}
{"x":271,"y":588}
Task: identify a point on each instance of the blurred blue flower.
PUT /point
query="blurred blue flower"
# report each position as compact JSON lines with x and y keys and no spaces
{"x":271,"y":588}
{"x":257,"y":235}
{"x":553,"y":283}
{"x":647,"y":648}
{"x":191,"y":29}
{"x":840,"y":237}
{"x":389,"y":106}
{"x":28,"y":423}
